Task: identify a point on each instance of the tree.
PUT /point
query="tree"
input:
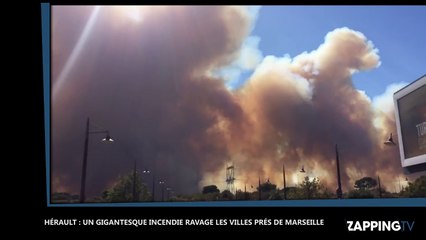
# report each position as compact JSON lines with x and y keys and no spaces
{"x":275,"y":195}
{"x":226,"y":195}
{"x":210,"y":189}
{"x":364,"y":188}
{"x":361,"y":193}
{"x":416,"y":188}
{"x":325,"y":193}
{"x":241,"y":195}
{"x":310,"y":188}
{"x":365,"y":183}
{"x":122,"y":191}
{"x":267,"y":187}
{"x":64,"y":197}
{"x":294,"y":193}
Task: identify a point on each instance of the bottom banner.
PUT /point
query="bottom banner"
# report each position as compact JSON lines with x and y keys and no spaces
{"x":348,"y":220}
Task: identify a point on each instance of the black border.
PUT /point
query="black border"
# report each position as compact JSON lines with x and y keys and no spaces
{"x":335,"y":217}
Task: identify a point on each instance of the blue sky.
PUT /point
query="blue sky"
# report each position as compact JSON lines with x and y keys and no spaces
{"x":396,"y":31}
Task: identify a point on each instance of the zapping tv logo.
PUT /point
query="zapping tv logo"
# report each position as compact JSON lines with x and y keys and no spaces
{"x":380,"y":226}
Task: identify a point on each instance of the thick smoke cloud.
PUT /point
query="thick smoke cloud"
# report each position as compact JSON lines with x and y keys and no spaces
{"x":145,"y":83}
{"x":306,"y":105}
{"x":149,"y":82}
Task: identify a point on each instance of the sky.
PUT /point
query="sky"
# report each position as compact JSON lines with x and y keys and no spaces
{"x":187,"y":91}
{"x":394,"y":30}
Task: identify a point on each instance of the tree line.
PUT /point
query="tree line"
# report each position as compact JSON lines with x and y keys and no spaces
{"x":131,"y":188}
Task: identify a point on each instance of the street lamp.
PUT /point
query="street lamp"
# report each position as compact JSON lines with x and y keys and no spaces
{"x":390,"y":141}
{"x":161,"y":182}
{"x":146,"y":171}
{"x":153,"y":187}
{"x":302,"y":172}
{"x":168,"y":189}
{"x":306,"y":179}
{"x":107,"y":139}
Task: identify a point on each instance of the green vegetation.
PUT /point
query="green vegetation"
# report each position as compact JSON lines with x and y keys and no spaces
{"x":309,"y":189}
{"x":63,"y":197}
{"x":210,"y":189}
{"x":365,"y":183}
{"x":415,"y":189}
{"x":366,"y":187}
{"x":122,"y":190}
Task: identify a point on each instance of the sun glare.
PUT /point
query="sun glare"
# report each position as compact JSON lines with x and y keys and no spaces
{"x":132,"y":13}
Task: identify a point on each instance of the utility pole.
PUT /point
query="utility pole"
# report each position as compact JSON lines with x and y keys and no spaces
{"x":153,"y":187}
{"x":162,"y":182}
{"x":162,"y":193}
{"x":134,"y":183}
{"x":380,"y":187}
{"x":107,"y":139}
{"x":339,"y":183}
{"x":260,"y":191}
{"x":284,"y":189}
{"x":83,"y":171}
